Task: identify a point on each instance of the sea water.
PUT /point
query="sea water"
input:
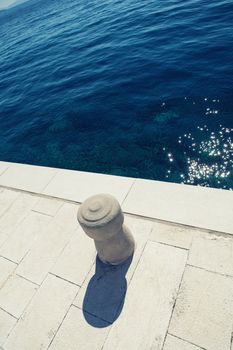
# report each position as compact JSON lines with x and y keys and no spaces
{"x":136,"y":88}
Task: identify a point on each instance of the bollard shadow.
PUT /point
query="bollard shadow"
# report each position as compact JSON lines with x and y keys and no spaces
{"x":105,"y":293}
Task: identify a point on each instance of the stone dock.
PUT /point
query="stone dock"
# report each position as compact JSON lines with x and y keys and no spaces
{"x":175,"y":293}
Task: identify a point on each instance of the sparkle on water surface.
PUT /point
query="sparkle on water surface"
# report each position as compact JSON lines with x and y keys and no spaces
{"x":209,"y":154}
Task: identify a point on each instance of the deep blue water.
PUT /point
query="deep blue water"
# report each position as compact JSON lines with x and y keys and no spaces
{"x":126,"y":87}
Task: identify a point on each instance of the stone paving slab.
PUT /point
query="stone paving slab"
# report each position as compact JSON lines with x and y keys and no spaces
{"x":203,"y":314}
{"x":143,"y":323}
{"x":202,"y":207}
{"x":175,"y":235}
{"x":27,"y":177}
{"x":77,"y":185}
{"x":48,"y":246}
{"x":212,"y":252}
{"x":175,"y":293}
{"x":17,"y":245}
{"x":16,"y":294}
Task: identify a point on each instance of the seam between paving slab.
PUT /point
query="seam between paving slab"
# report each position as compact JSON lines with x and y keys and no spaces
{"x":47,"y":184}
{"x":3,"y":257}
{"x":37,"y":194}
{"x":174,"y":304}
{"x":26,"y":279}
{"x":133,"y":183}
{"x":4,"y":171}
{"x":188,"y":342}
{"x":64,"y":279}
{"x":62,"y":319}
{"x":210,"y":271}
{"x":167,"y":244}
{"x":16,"y":318}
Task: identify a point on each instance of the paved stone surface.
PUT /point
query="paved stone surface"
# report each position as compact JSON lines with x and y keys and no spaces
{"x":55,"y":294}
{"x":36,"y":329}
{"x":203,"y":313}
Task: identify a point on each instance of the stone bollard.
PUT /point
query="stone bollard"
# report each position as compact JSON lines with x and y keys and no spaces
{"x":102,"y":219}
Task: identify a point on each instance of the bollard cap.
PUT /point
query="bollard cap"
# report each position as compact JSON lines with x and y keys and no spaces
{"x":98,"y":211}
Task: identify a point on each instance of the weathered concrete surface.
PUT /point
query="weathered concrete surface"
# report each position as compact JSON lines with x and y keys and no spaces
{"x":175,"y":293}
